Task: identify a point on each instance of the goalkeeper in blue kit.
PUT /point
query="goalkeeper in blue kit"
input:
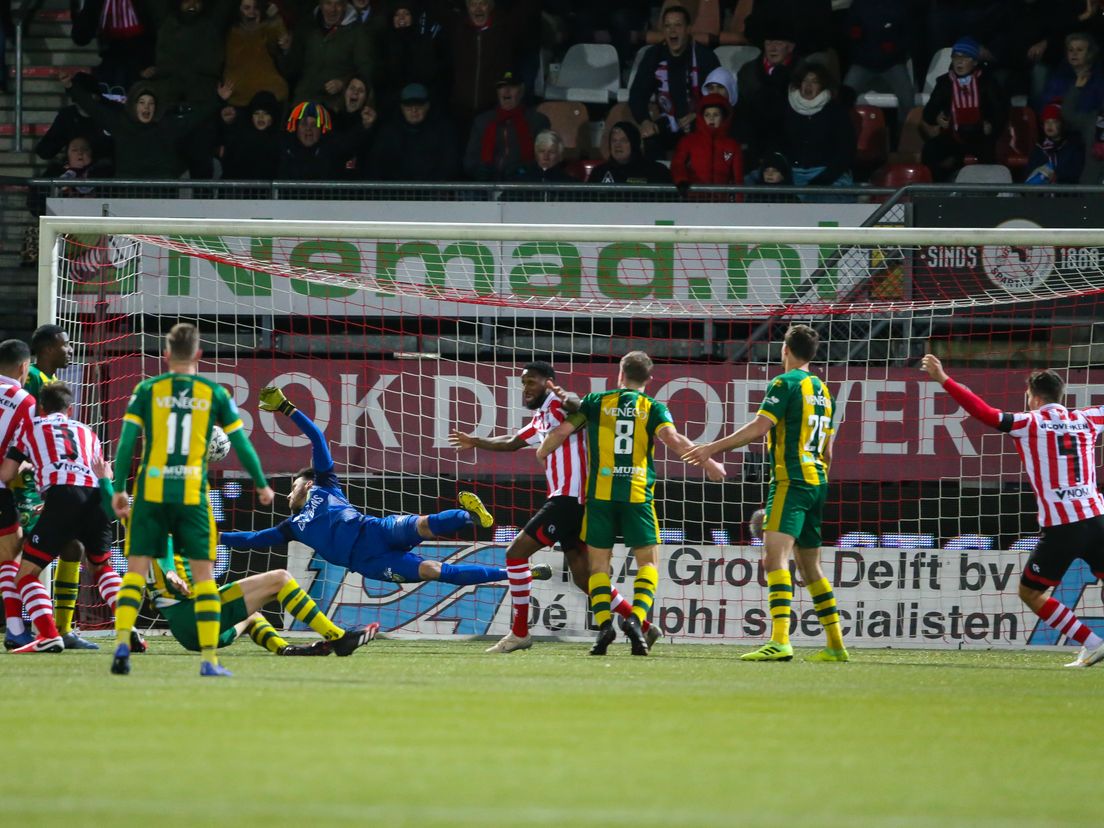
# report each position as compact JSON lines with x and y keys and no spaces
{"x":377,"y":548}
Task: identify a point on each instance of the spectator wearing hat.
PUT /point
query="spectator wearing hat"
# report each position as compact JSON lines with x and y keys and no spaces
{"x":708,"y":155}
{"x":878,"y":36}
{"x":1057,"y":158}
{"x":965,"y":114}
{"x":486,"y":42}
{"x":627,"y":164}
{"x":252,"y":48}
{"x":312,"y":151}
{"x":500,"y":143}
{"x":809,"y":21}
{"x":764,"y":86}
{"x":418,"y":146}
{"x":668,"y":84}
{"x":775,"y":170}
{"x":252,"y":149}
{"x":817,"y":134}
{"x":325,"y":51}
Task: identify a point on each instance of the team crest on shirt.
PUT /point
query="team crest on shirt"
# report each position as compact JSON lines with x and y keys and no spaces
{"x":391,"y":575}
{"x":727,"y":156}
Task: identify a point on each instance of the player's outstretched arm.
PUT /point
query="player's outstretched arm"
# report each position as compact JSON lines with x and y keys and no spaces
{"x":971,"y":403}
{"x":262,"y":539}
{"x":503,"y":442}
{"x":555,"y":438}
{"x":681,"y":444}
{"x":747,"y":433}
{"x":273,"y":399}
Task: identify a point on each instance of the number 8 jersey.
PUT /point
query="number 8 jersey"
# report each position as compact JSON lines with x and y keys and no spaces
{"x":799,"y":405}
{"x":176,"y":413}
{"x":621,"y":428}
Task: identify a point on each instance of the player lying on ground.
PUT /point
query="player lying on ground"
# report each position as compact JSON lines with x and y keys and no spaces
{"x":1057,"y":445}
{"x":376,"y":548}
{"x":63,"y":453}
{"x":798,"y":418}
{"x":622,"y":426}
{"x":560,"y":518}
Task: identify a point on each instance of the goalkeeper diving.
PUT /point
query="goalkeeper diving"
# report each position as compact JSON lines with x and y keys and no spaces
{"x":378,"y":548}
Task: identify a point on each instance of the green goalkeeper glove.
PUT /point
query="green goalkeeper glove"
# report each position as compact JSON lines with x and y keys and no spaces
{"x":273,"y":399}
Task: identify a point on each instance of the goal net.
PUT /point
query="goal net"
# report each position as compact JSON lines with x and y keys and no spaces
{"x":391,"y":336}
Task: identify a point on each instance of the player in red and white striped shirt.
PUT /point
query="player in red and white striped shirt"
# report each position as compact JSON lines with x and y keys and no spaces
{"x":1057,"y":447}
{"x":560,"y":518}
{"x":64,"y":453}
{"x":17,"y":408}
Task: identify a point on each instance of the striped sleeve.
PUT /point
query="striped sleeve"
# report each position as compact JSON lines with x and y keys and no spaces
{"x":529,"y":434}
{"x":1095,"y":417}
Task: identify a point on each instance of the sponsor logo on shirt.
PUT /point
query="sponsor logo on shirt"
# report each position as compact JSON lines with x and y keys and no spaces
{"x":626,"y":411}
{"x":817,"y":399}
{"x":175,"y":472}
{"x":771,"y":400}
{"x":1074,"y":492}
{"x":182,"y":400}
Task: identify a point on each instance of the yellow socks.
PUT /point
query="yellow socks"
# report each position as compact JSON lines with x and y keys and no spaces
{"x":128,"y":603}
{"x":294,"y":600}
{"x":600,"y":597}
{"x":824,"y":602}
{"x":265,"y":635}
{"x":780,"y":593}
{"x":208,"y":614}
{"x":644,"y":590}
{"x":66,"y":589}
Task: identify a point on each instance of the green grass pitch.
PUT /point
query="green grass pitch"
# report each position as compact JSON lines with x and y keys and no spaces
{"x":439,"y":734}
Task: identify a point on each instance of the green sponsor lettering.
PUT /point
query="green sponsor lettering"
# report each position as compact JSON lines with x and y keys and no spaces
{"x":569,"y":268}
{"x":389,"y":254}
{"x":482,"y":259}
{"x":240,"y":280}
{"x":741,"y":257}
{"x":347,"y":261}
{"x":662,"y":257}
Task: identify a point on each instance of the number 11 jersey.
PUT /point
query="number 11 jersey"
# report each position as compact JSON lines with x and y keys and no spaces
{"x":176,"y":413}
{"x":799,"y":405}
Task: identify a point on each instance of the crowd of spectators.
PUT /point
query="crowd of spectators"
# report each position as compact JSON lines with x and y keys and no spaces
{"x":442,"y":90}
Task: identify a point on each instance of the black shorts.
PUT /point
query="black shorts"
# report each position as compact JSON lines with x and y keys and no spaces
{"x":9,"y":519}
{"x":1059,"y":547}
{"x":70,"y":513}
{"x":557,"y":521}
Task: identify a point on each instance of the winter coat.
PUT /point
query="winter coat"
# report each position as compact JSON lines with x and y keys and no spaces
{"x":325,"y":161}
{"x":708,"y":155}
{"x":1067,"y":157}
{"x":68,"y":124}
{"x":646,"y":84}
{"x":150,"y":150}
{"x":251,"y":56}
{"x":319,"y":55}
{"x":251,"y":154}
{"x":824,"y":139}
{"x":409,"y":56}
{"x":762,"y":108}
{"x":419,"y":152}
{"x":637,"y":170}
{"x":191,"y":50}
{"x":507,"y":152}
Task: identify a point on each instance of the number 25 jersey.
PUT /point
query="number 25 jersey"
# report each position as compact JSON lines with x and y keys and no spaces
{"x":799,"y":405}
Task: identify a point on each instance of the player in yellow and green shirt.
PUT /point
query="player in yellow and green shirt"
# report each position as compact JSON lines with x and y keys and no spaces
{"x":622,"y":427}
{"x":175,"y":412}
{"x":798,"y":418}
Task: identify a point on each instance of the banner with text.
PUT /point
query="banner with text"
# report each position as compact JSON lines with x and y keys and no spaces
{"x":394,"y":417}
{"x":365,"y":275}
{"x":717,"y":594}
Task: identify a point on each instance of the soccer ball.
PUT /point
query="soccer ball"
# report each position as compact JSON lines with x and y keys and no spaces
{"x":755,"y":523}
{"x":218,"y":446}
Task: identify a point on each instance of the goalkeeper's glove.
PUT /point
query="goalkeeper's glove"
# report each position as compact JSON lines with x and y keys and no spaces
{"x":273,"y":399}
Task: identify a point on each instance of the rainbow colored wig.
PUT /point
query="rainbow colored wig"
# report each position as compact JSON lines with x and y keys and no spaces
{"x":313,"y":111}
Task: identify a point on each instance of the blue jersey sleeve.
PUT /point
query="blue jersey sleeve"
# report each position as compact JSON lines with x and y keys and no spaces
{"x":263,"y":539}
{"x":321,"y":459}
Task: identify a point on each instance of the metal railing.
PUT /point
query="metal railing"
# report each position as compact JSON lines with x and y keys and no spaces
{"x":20,"y":16}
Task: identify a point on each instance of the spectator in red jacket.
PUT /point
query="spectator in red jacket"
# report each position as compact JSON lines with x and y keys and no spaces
{"x":708,"y":155}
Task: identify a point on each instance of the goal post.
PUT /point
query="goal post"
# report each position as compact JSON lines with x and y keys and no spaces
{"x":393,"y":334}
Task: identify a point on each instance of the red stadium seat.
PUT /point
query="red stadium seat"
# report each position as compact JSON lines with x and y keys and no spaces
{"x":872,"y":137}
{"x":581,"y":168}
{"x":911,"y":142}
{"x":900,"y":175}
{"x":1014,"y":147}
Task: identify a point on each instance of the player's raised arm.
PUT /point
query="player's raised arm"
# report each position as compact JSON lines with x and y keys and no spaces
{"x":273,"y":399}
{"x":227,"y":417}
{"x":748,"y":433}
{"x":682,"y":444}
{"x":974,"y":405}
{"x":570,"y":401}
{"x":557,"y":436}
